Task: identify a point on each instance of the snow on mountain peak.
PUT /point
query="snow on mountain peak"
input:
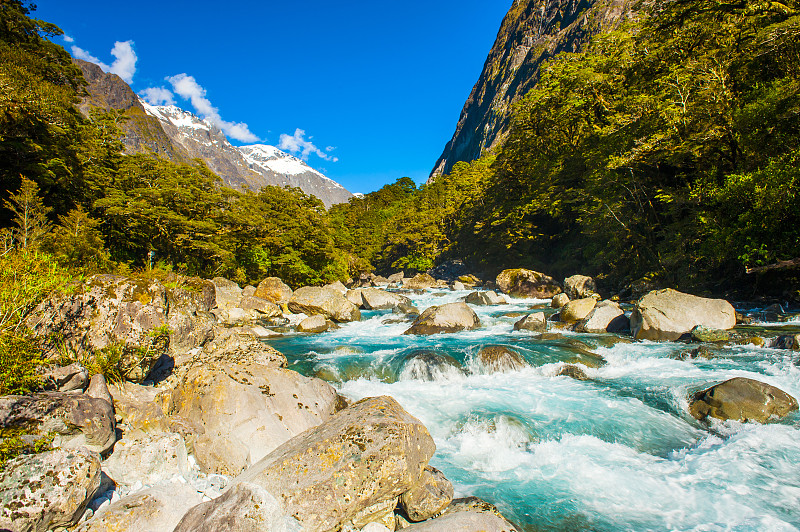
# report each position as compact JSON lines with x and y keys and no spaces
{"x":175,"y":115}
{"x":271,"y":158}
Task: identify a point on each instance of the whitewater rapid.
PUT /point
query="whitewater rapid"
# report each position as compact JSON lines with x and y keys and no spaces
{"x":616,"y":452}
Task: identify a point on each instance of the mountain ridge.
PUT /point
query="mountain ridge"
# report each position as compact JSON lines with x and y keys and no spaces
{"x":532,"y":32}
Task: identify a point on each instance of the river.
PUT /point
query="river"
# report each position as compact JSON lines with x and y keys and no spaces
{"x":618,"y":451}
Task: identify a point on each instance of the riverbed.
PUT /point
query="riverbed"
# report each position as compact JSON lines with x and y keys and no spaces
{"x":617,"y":451}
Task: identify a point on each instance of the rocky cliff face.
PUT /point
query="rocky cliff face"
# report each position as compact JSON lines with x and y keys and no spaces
{"x":180,"y":136}
{"x":532,"y":32}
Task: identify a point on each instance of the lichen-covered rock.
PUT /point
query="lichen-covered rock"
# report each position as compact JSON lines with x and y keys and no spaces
{"x":668,"y":314}
{"x":159,"y":508}
{"x":139,"y":408}
{"x":742,"y":399}
{"x":485,"y":297}
{"x":76,"y":420}
{"x":65,"y":378}
{"x":572,"y":371}
{"x":500,"y":359}
{"x":274,"y":289}
{"x":149,"y":459}
{"x":580,"y":286}
{"x":520,"y":282}
{"x":312,"y":300}
{"x":370,"y":452}
{"x":265,"y":308}
{"x":577,"y":309}
{"x":245,"y":507}
{"x":44,"y":491}
{"x":432,"y":494}
{"x":255,"y":407}
{"x":701,"y":333}
{"x":607,"y":316}
{"x":227,"y":293}
{"x":234,"y":345}
{"x":447,"y":318}
{"x":376,"y":299}
{"x":469,"y":514}
{"x":420,"y":281}
{"x":536,"y":322}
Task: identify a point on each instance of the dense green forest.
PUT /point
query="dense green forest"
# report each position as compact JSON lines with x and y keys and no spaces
{"x":668,"y":150}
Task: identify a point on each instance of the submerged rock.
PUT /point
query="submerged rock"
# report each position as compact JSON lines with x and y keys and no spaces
{"x":330,"y":303}
{"x":49,"y":490}
{"x":668,"y":314}
{"x":742,"y":399}
{"x":447,"y":318}
{"x":429,"y":366}
{"x":370,"y":453}
{"x":572,"y":371}
{"x":500,"y":359}
{"x":520,"y":282}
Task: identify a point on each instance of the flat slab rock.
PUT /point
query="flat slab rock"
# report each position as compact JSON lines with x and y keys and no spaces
{"x":667,"y":314}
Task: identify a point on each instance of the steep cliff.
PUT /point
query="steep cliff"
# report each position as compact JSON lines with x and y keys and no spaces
{"x":532,"y":32}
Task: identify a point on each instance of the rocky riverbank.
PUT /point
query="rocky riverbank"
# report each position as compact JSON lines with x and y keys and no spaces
{"x":208,"y":429}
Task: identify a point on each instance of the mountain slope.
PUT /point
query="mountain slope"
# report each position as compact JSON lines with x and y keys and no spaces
{"x":532,"y":32}
{"x":180,"y":136}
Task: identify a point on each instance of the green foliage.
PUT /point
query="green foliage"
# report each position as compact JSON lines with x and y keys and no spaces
{"x":30,"y":215}
{"x":77,"y":244}
{"x":20,"y":364}
{"x":13,"y":444}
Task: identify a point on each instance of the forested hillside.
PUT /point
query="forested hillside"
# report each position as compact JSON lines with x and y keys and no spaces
{"x":668,"y":151}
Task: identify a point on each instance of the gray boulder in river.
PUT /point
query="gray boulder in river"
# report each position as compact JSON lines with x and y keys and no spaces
{"x":579,"y":286}
{"x":326,"y":301}
{"x":668,"y":314}
{"x":447,"y":318}
{"x":520,"y":282}
{"x":365,"y":457}
{"x":742,"y":399}
{"x":377,"y":299}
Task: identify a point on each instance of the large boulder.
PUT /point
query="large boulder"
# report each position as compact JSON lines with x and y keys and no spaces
{"x":499,"y":359}
{"x":314,"y":324}
{"x":148,"y":460}
{"x":742,"y":399}
{"x":536,"y":322}
{"x":49,"y":490}
{"x":330,"y":303}
{"x":376,"y":299}
{"x":274,"y":290}
{"x":607,"y":316}
{"x":420,"y":281}
{"x":75,"y":420}
{"x":244,"y":410}
{"x":520,"y":282}
{"x":227,"y":293}
{"x":668,"y":314}
{"x":485,"y":297}
{"x":447,"y":318}
{"x":432,"y":494}
{"x":577,"y":309}
{"x":159,"y":508}
{"x":139,"y":408}
{"x":370,"y":453}
{"x":245,"y":507}
{"x":579,"y":287}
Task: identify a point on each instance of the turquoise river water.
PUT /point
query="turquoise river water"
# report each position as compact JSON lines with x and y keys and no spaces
{"x":616,"y":452}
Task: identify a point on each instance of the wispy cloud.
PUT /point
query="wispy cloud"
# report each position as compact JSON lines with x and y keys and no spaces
{"x":158,"y":96}
{"x":67,"y":38}
{"x":124,"y":64}
{"x":298,"y":145}
{"x":187,"y":87}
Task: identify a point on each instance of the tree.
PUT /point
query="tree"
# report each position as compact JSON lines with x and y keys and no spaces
{"x":30,"y":215}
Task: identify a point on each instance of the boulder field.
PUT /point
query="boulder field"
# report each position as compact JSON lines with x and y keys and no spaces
{"x":207,"y":428}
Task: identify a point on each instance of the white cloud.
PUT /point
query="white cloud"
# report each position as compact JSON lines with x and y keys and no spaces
{"x":67,"y":38}
{"x":188,"y":88}
{"x":158,"y":96}
{"x":124,"y":64}
{"x":301,"y":147}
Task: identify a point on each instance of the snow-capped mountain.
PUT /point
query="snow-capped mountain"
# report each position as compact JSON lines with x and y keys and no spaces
{"x":181,"y":136}
{"x":252,"y":166}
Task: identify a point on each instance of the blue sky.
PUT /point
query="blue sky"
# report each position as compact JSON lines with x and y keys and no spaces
{"x":367,"y":91}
